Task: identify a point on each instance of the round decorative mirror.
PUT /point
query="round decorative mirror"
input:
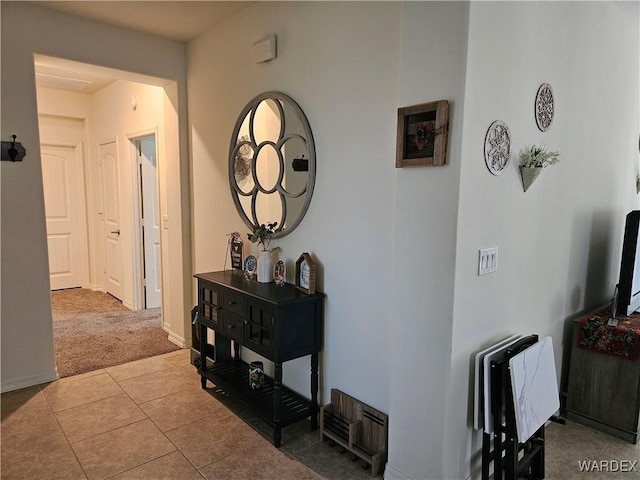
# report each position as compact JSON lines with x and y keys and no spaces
{"x":272,"y":163}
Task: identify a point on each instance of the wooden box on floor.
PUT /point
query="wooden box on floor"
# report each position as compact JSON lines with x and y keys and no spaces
{"x":356,"y":427}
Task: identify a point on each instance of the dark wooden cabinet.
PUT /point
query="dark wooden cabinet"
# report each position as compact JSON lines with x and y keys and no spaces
{"x":603,"y":391}
{"x":278,"y":322}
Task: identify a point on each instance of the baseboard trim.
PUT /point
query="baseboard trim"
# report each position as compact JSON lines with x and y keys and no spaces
{"x":173,"y":338}
{"x":24,"y":382}
{"x":391,"y":473}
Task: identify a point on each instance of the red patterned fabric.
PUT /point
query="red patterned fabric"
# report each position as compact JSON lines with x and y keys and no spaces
{"x":622,"y":341}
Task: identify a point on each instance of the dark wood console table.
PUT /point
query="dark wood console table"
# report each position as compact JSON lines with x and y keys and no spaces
{"x":277,"y":322}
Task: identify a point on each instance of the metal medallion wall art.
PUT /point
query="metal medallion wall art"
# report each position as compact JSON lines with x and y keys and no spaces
{"x":545,"y":107}
{"x":497,"y":147}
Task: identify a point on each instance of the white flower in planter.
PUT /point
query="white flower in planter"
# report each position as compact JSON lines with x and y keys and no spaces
{"x":532,"y":160}
{"x":537,"y":157}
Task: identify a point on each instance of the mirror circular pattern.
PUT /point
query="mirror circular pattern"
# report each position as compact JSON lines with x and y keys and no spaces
{"x":272,"y":163}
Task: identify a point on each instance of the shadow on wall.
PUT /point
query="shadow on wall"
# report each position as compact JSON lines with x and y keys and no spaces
{"x":601,"y":265}
{"x":600,"y":262}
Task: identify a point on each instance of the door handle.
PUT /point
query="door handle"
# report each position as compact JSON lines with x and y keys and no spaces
{"x":117,"y":232}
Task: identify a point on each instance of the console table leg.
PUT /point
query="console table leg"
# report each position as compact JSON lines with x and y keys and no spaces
{"x":277,"y":397}
{"x":314,"y":390}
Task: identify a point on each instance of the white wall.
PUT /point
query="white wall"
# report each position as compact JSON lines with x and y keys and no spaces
{"x":422,"y":312}
{"x":389,"y":305}
{"x":342,"y":73}
{"x":559,"y":243}
{"x":27,"y":335}
{"x":405,"y":310}
{"x":432,"y":67}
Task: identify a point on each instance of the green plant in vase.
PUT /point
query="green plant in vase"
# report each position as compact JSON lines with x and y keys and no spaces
{"x":262,"y":235}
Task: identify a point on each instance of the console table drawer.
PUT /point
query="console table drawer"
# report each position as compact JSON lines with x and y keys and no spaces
{"x":232,"y":303}
{"x":232,"y":327}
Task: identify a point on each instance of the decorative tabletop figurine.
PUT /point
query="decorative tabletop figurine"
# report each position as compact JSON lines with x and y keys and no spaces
{"x":279,"y":272}
{"x":250,"y":265}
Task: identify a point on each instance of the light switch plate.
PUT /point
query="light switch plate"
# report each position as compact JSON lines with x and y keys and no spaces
{"x":488,"y":260}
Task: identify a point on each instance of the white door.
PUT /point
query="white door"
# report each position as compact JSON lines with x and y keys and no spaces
{"x":64,"y":237}
{"x":111,"y":215}
{"x":150,"y":221}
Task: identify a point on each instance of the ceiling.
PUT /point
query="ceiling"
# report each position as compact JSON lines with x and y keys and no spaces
{"x":174,"y":20}
{"x":180,"y":21}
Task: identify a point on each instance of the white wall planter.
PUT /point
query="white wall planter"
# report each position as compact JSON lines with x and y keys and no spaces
{"x":529,"y":175}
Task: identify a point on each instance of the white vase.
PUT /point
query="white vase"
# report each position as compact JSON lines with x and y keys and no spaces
{"x":265,"y":267}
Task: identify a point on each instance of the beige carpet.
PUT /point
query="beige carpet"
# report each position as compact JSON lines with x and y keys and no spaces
{"x":93,"y":330}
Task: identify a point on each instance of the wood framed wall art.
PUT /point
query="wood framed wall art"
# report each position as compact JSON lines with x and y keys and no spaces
{"x":422,"y":135}
{"x":306,"y":274}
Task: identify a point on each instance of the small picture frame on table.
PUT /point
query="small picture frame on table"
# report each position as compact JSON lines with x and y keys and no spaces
{"x":422,"y":135}
{"x":306,"y":274}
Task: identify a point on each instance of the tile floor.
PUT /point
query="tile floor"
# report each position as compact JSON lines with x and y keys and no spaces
{"x":150,"y":420}
{"x":572,"y":445}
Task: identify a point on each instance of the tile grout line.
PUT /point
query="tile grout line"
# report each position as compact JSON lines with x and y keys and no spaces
{"x":198,"y":469}
{"x":145,"y":416}
{"x":143,"y":374}
{"x":294,"y":458}
{"x":164,"y":434}
{"x":62,"y":431}
{"x":124,"y":392}
{"x":86,"y":404}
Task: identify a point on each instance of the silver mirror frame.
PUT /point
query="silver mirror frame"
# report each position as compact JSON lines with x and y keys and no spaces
{"x":285,"y":226}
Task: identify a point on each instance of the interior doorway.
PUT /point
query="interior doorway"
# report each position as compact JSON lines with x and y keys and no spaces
{"x":150,"y":273}
{"x":122,"y":197}
{"x":114,"y":109}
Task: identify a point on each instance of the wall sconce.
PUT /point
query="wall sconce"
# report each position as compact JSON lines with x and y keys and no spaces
{"x":13,"y":151}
